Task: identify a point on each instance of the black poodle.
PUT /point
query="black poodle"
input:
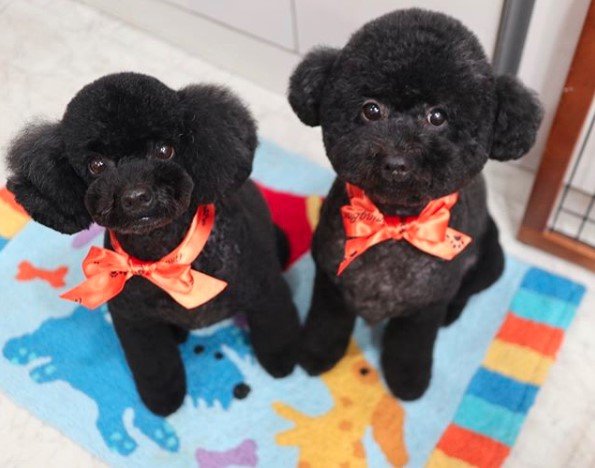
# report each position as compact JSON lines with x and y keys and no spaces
{"x":140,"y":158}
{"x":410,"y":111}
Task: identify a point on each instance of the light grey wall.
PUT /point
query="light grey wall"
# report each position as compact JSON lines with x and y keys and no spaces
{"x":263,"y":40}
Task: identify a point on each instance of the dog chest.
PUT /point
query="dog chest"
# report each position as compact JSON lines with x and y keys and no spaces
{"x":394,"y":278}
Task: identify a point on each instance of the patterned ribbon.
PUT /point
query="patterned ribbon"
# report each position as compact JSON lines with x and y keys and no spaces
{"x":366,"y":226}
{"x":108,"y":270}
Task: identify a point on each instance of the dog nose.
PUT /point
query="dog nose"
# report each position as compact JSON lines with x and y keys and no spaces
{"x":241,"y":391}
{"x":137,"y":198}
{"x":396,"y":167}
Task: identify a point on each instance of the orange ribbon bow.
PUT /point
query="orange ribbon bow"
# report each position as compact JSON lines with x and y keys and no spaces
{"x":366,"y":226}
{"x":108,"y":270}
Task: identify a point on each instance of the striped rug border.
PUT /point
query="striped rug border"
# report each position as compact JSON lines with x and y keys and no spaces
{"x":503,"y":390}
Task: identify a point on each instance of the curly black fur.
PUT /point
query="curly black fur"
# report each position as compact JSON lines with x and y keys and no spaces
{"x":124,"y":120}
{"x":409,"y":64}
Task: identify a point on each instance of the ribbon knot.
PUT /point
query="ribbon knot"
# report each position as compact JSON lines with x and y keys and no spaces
{"x":397,"y":230}
{"x":142,"y":268}
{"x":107,"y":271}
{"x":365,"y":226}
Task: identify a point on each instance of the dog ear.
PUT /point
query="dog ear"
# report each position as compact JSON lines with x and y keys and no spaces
{"x":307,"y":83}
{"x":43,"y":181}
{"x":219,"y":139}
{"x":518,"y":117}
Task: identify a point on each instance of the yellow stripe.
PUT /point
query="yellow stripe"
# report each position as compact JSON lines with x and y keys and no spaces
{"x":439,"y":459}
{"x":11,"y":221}
{"x":313,"y":204}
{"x":518,"y":362}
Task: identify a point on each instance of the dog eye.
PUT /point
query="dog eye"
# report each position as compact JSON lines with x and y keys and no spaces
{"x":436,"y":117}
{"x":165,"y":152}
{"x":371,"y":110}
{"x":97,"y":165}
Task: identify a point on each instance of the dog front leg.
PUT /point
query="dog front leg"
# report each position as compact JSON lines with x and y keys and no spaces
{"x":328,"y":327}
{"x":275,"y":328}
{"x":407,"y":351}
{"x":155,"y":362}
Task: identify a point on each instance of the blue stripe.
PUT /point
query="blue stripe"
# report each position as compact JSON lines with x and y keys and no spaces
{"x":502,"y":391}
{"x":544,"y":309}
{"x":494,"y":421}
{"x":542,"y":282}
{"x":3,"y":242}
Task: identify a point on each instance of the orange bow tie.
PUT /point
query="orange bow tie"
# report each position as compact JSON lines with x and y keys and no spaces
{"x":366,"y":226}
{"x":108,"y":270}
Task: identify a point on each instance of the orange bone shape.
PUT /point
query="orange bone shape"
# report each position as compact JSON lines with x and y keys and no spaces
{"x":55,"y":278}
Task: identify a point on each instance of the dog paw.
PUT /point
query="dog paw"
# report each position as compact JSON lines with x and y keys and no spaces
{"x":179,"y":334}
{"x":121,"y":443}
{"x":455,"y":309}
{"x":164,"y":401}
{"x":408,"y":382}
{"x":315,"y":363}
{"x":279,"y":364}
{"x":165,"y":437}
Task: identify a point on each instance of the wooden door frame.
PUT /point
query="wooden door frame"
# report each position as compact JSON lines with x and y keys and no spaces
{"x":570,"y":117}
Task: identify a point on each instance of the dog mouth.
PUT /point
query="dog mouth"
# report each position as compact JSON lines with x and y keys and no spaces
{"x":406,"y":198}
{"x":408,"y":205}
{"x":111,"y":213}
{"x":142,"y":225}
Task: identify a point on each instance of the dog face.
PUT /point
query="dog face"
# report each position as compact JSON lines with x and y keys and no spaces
{"x":132,"y":155}
{"x":410,"y":109}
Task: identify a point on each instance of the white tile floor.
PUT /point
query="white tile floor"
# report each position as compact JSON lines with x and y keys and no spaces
{"x":49,"y":49}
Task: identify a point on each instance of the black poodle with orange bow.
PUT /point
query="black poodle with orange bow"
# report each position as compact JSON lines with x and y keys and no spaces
{"x":410,"y":111}
{"x":190,"y":240}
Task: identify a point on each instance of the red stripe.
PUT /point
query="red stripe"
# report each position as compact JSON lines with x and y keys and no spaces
{"x":8,"y":197}
{"x":472,"y":448}
{"x":540,"y":337}
{"x":289,"y":213}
